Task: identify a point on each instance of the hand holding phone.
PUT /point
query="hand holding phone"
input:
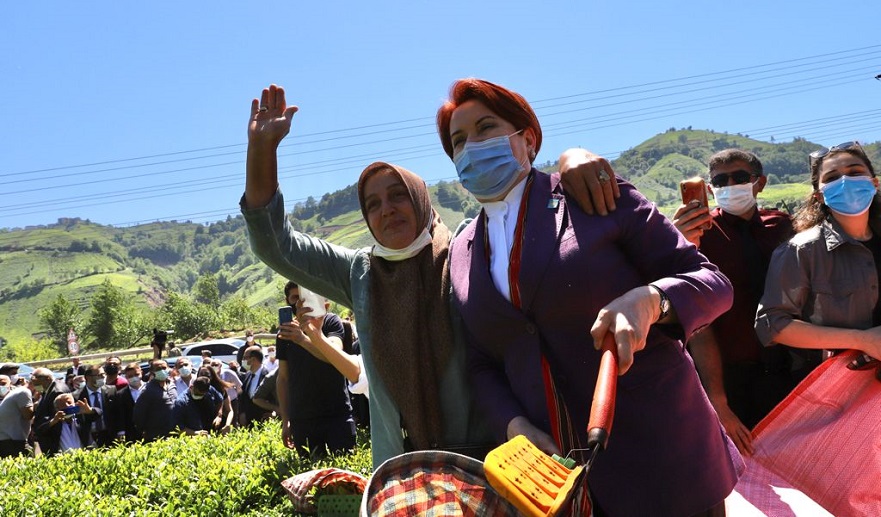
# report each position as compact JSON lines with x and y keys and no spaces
{"x":695,"y":189}
{"x":285,"y":314}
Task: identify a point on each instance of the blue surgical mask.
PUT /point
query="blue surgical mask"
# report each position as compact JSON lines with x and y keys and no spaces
{"x":849,"y":195}
{"x":489,"y":168}
{"x":160,"y":375}
{"x":184,"y":371}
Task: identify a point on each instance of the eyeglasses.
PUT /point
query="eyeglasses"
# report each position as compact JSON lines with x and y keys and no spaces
{"x":823,"y":151}
{"x":739,"y":177}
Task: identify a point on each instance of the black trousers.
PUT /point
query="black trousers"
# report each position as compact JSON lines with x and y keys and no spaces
{"x":10,"y":448}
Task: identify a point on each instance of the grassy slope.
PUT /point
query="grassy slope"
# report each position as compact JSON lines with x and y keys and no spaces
{"x":33,"y":258}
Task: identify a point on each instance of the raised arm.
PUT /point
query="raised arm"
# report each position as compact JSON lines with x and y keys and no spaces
{"x":270,"y":122}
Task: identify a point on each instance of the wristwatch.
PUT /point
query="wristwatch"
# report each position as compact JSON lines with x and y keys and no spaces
{"x":665,"y":302}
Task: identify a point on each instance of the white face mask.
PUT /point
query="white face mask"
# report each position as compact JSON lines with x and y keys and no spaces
{"x":99,"y":382}
{"x":13,"y":379}
{"x":735,"y":199}
{"x":423,"y":240}
{"x":135,"y":382}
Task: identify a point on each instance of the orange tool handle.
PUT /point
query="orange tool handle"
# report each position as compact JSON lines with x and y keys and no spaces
{"x":602,"y":410}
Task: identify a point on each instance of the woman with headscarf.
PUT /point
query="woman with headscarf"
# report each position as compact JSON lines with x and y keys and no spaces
{"x":530,"y":275}
{"x":398,"y":289}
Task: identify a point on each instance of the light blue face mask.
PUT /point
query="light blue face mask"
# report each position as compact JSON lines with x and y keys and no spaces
{"x":489,"y":168}
{"x":849,"y":195}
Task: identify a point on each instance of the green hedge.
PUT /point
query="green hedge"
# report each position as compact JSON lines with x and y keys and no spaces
{"x":236,"y":474}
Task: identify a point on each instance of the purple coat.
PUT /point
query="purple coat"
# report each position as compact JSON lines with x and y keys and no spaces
{"x":667,"y":453}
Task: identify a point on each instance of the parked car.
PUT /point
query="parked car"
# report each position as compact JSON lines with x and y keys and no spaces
{"x":223,"y":349}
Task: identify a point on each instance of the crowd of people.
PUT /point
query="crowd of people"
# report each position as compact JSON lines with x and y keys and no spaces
{"x":468,"y":340}
{"x":98,"y":405}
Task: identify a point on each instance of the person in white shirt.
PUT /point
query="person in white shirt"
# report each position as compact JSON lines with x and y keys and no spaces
{"x":229,"y":376}
{"x":73,"y":428}
{"x":183,"y":375}
{"x":271,"y":363}
{"x":126,"y":399}
{"x":16,"y":410}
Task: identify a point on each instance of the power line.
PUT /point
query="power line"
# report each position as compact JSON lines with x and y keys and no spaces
{"x":372,"y":142}
{"x":535,"y":103}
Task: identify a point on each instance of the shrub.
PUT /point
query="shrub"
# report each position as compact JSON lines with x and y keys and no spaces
{"x":236,"y":474}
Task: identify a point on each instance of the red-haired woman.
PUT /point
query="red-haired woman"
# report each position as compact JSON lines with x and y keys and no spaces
{"x":529,"y":276}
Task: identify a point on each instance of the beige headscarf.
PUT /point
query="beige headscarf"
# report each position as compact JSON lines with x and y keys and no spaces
{"x":412,"y":337}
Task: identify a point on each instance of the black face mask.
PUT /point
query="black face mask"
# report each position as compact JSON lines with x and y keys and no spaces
{"x":111,"y":370}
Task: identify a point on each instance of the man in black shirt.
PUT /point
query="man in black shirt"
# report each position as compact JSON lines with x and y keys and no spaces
{"x":313,"y":397}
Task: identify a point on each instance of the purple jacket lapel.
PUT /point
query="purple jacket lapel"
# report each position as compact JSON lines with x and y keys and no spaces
{"x":544,"y":227}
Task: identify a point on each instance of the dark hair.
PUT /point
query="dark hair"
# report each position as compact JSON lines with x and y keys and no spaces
{"x":202,"y":383}
{"x":218,"y":383}
{"x":93,"y":370}
{"x":813,"y":212}
{"x":505,"y":103}
{"x":729,"y":156}
{"x":288,"y":286}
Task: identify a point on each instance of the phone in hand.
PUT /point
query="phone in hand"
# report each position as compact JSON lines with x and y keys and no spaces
{"x":285,"y":314}
{"x":71,"y":411}
{"x":695,"y":189}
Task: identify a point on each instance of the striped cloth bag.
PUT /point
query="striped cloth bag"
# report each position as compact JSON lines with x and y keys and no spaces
{"x":821,"y":444}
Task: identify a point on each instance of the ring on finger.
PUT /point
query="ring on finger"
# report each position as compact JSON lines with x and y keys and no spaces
{"x":603,"y":176}
{"x":263,"y":109}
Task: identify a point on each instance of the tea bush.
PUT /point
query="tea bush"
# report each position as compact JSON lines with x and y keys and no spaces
{"x":236,"y":474}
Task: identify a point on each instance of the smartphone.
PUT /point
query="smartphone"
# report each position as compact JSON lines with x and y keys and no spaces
{"x":314,"y":301}
{"x":70,"y":411}
{"x":285,"y":314}
{"x":695,"y":188}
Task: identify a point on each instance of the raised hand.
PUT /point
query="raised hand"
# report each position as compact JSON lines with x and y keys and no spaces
{"x":291,"y":331}
{"x":270,"y":117}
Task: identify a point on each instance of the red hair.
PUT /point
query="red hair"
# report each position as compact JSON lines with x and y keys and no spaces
{"x":509,"y":105}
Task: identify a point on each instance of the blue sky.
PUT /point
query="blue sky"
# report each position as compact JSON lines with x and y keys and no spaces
{"x":124,"y":112}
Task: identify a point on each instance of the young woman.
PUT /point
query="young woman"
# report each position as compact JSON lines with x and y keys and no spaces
{"x":530,"y":274}
{"x":822,"y":286}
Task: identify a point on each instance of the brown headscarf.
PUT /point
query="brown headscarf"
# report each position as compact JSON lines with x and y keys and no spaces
{"x":412,"y":337}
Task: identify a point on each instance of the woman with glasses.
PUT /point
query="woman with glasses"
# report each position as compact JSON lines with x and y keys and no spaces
{"x":822,"y":286}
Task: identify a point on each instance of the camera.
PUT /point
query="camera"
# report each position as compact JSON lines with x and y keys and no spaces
{"x":160,"y":337}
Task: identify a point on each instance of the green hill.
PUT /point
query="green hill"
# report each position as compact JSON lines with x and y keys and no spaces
{"x":73,"y":257}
